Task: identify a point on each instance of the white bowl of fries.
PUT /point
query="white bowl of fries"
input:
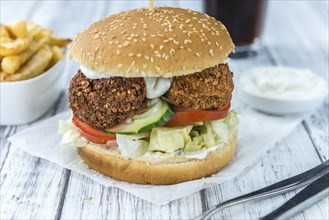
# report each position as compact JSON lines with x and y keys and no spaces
{"x":32,"y":69}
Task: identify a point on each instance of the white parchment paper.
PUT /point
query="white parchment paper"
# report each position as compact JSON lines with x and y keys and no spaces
{"x":257,"y":133}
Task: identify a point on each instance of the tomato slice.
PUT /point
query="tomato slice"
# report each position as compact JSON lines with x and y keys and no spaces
{"x":92,"y":134}
{"x":185,"y":116}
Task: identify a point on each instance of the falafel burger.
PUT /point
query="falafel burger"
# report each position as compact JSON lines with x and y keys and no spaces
{"x":151,"y":101}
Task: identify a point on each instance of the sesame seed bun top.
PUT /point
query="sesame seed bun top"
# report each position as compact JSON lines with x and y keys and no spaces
{"x":165,"y":42}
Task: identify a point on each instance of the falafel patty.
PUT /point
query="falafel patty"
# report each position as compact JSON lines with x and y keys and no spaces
{"x":104,"y":103}
{"x":209,"y":89}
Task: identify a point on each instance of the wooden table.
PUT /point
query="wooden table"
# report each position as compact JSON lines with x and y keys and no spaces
{"x":296,"y":34}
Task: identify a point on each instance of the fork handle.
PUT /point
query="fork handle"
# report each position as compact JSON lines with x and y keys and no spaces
{"x":310,"y":195}
{"x":283,"y":186}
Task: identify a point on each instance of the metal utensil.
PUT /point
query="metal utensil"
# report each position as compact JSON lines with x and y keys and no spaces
{"x":312,"y":194}
{"x":283,"y":186}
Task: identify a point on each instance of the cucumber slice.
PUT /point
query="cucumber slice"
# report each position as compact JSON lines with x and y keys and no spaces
{"x":139,"y":125}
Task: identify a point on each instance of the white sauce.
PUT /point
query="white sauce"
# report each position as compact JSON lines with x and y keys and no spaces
{"x":202,"y":153}
{"x":283,"y":83}
{"x":155,"y":86}
{"x":90,"y":74}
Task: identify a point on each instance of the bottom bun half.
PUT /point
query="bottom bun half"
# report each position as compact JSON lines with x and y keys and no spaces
{"x":150,"y":171}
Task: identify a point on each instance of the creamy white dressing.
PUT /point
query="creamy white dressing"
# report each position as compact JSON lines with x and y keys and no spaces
{"x":283,"y":83}
{"x":202,"y":153}
{"x":155,"y":86}
{"x":91,"y":74}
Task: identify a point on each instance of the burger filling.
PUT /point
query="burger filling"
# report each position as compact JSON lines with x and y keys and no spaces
{"x":185,"y":115}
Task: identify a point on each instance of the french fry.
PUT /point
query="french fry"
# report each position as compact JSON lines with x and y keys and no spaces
{"x":33,"y":67}
{"x":17,"y":28}
{"x":11,"y":64}
{"x":61,"y":42}
{"x":10,"y":47}
{"x":57,"y":55}
{"x":27,"y":50}
{"x":3,"y":32}
{"x":3,"y":76}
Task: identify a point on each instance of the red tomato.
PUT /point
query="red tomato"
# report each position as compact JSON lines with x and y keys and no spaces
{"x":92,"y":134}
{"x":185,"y":116}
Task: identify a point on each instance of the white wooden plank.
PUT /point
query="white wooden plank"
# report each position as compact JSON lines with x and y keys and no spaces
{"x":30,"y":187}
{"x":289,"y":157}
{"x":88,"y":199}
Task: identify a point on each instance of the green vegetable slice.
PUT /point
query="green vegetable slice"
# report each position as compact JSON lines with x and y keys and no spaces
{"x":157,"y":116}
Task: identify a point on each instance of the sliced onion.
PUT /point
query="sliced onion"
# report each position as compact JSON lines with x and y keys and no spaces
{"x":150,"y":112}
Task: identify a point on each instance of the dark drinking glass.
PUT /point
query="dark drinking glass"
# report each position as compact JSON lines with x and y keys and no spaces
{"x":243,"y":18}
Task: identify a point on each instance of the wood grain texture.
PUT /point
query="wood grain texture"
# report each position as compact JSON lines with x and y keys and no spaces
{"x":296,"y":34}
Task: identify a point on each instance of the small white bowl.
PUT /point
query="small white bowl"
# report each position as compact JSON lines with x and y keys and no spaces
{"x":281,"y":105}
{"x":25,"y":101}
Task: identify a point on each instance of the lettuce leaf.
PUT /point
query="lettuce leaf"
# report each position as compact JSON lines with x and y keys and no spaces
{"x":194,"y":137}
{"x":169,"y":139}
{"x":70,"y":135}
{"x":133,"y":145}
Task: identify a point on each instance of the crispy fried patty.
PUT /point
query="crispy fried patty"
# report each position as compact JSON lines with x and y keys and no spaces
{"x":209,"y":89}
{"x":104,"y":103}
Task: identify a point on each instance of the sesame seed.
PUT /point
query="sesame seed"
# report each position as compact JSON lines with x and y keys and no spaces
{"x":139,"y":55}
{"x":221,"y":47}
{"x":118,"y":52}
{"x":144,"y":66}
{"x":157,"y":68}
{"x":217,"y":44}
{"x":133,"y":63}
{"x":144,"y":39}
{"x":131,"y":54}
{"x":161,"y":47}
{"x":166,"y":57}
{"x":172,"y":51}
{"x":110,"y":42}
{"x":187,"y":21}
{"x":135,"y":40}
{"x":187,"y":41}
{"x":158,"y":55}
{"x":197,"y":54}
{"x":209,"y":42}
{"x":211,"y":52}
{"x":119,"y":46}
{"x":123,"y":32}
{"x":176,"y":42}
{"x":189,"y":49}
{"x":146,"y":57}
{"x":152,"y":59}
{"x":184,"y":67}
{"x":120,"y":65}
{"x":152,"y":46}
{"x":97,"y":48}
